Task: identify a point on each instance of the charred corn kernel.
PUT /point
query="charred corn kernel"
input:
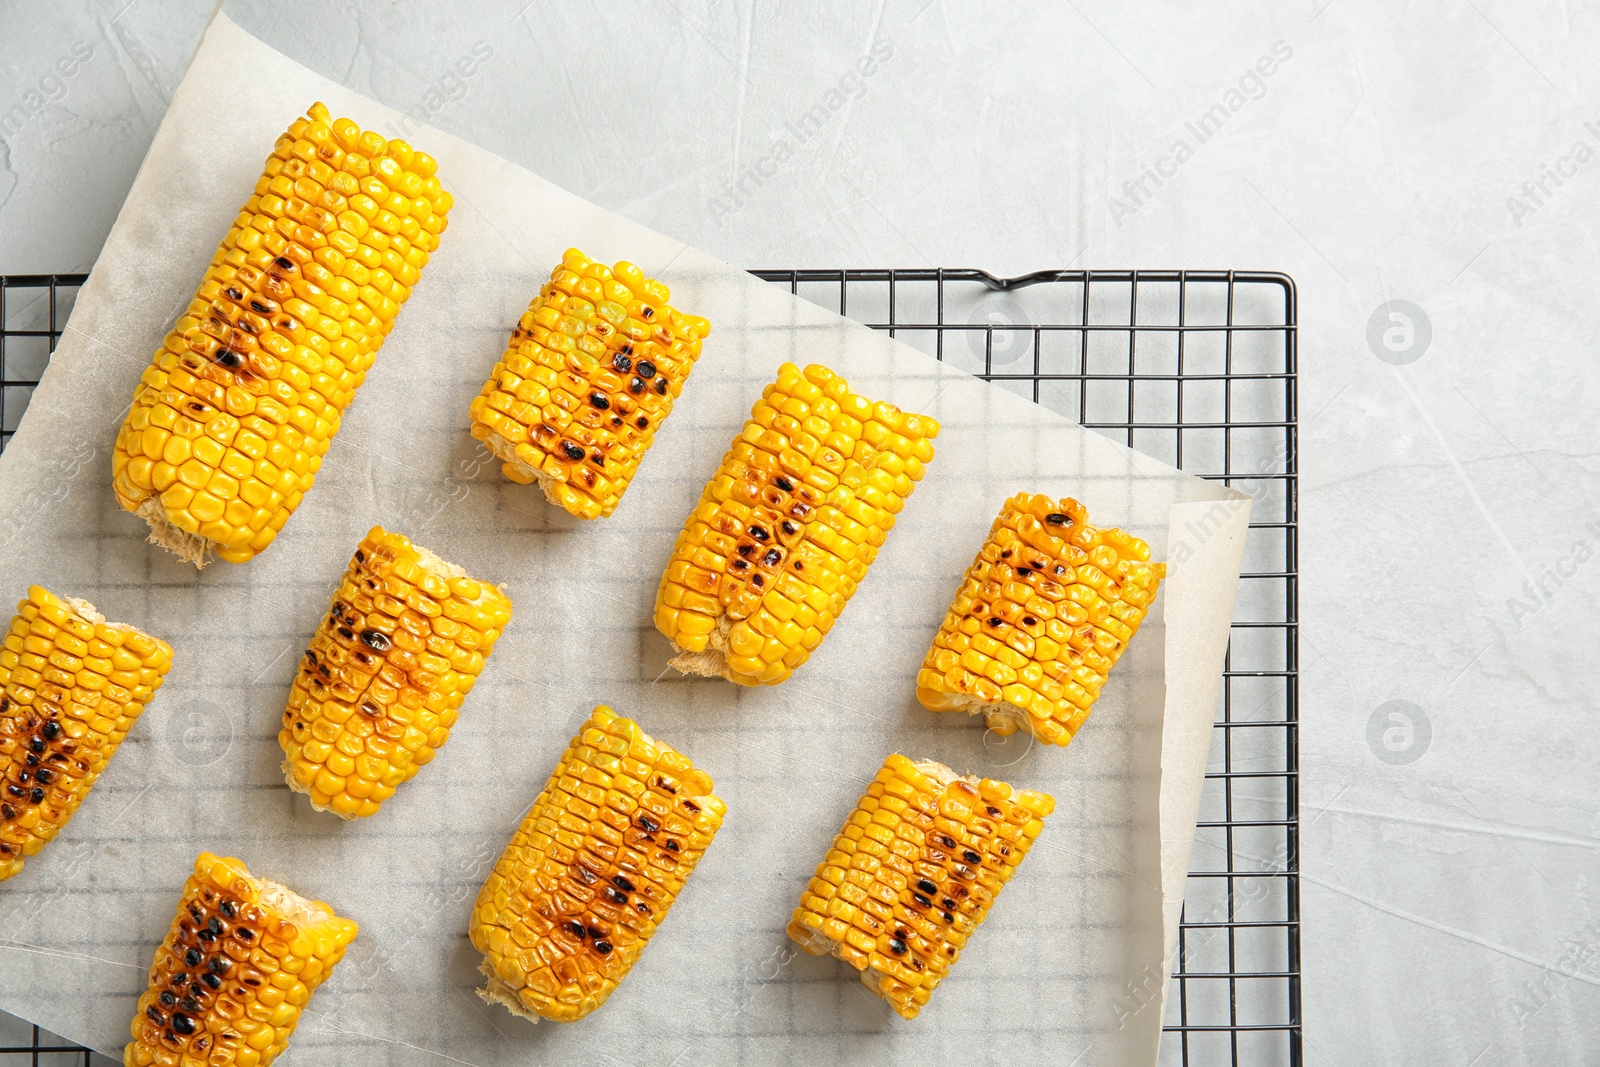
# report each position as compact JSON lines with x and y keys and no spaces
{"x":71,"y":686}
{"x":383,"y":681}
{"x":786,"y":530}
{"x":1041,"y":617}
{"x":591,"y":371}
{"x":246,"y":393}
{"x":593,"y":869}
{"x":913,"y":873}
{"x":237,"y":967}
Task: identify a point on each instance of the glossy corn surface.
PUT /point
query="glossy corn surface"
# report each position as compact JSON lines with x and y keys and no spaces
{"x":380,"y":687}
{"x":592,"y":870}
{"x":786,"y":530}
{"x":231,"y":420}
{"x":235,"y":971}
{"x":913,"y":873}
{"x":1041,"y":617}
{"x":71,"y":686}
{"x":590,"y":373}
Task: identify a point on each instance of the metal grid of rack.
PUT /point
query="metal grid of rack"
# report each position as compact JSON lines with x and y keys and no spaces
{"x":33,"y":312}
{"x":1197,"y":368}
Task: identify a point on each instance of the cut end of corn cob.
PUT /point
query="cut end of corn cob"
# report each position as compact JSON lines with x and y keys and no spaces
{"x":237,"y":967}
{"x":1042,"y":615}
{"x":913,"y":873}
{"x":71,"y":686}
{"x":786,"y":530}
{"x":591,"y":371}
{"x":383,"y":681}
{"x":188,"y":547}
{"x":231,"y":420}
{"x":591,"y":872}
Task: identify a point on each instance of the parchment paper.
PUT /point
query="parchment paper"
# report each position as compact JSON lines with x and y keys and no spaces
{"x":1075,"y":947}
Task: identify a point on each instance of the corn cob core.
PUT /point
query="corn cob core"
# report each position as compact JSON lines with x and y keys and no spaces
{"x":594,"y":867}
{"x":592,"y":369}
{"x":230,"y":422}
{"x":1041,"y":617}
{"x":71,"y":686}
{"x":383,"y":681}
{"x":786,"y":530}
{"x":913,"y":873}
{"x":239,"y":964}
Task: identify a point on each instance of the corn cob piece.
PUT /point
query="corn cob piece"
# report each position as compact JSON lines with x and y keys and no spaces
{"x":239,"y":964}
{"x":230,"y":422}
{"x":71,"y":686}
{"x":1042,"y":616}
{"x":591,"y":872}
{"x":383,"y":681}
{"x":591,"y":371}
{"x":786,"y":530}
{"x":913,"y":873}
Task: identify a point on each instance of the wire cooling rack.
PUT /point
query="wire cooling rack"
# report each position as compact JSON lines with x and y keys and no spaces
{"x":1197,"y":368}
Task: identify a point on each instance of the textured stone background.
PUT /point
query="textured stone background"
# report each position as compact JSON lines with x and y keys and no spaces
{"x":1439,"y":154}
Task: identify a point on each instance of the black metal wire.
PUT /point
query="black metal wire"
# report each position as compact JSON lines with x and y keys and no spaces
{"x":41,"y":1045}
{"x":18,"y":295}
{"x":1193,"y":1022}
{"x":1201,"y":1033}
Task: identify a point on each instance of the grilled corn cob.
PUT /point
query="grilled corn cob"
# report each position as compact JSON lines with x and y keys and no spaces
{"x":383,"y":681}
{"x":592,"y":369}
{"x":786,"y":530}
{"x":593,"y":869}
{"x":71,"y":686}
{"x":239,"y":964}
{"x":1041,"y":617}
{"x":913,"y":873}
{"x":230,"y":422}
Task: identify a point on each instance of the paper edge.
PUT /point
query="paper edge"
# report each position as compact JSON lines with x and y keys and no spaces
{"x":1183,"y":761}
{"x":1177,"y":792}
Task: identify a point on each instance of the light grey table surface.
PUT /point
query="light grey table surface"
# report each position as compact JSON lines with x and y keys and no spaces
{"x":1441,"y":154}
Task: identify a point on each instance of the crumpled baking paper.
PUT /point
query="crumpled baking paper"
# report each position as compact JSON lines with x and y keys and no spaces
{"x":1091,"y":914}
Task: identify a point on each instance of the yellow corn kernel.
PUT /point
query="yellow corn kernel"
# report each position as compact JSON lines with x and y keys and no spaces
{"x":268,"y":307}
{"x":241,"y":960}
{"x":930,"y":849}
{"x":579,"y":891}
{"x":381,"y":685}
{"x":798,"y":521}
{"x":1042,"y":615}
{"x":590,"y":373}
{"x":71,"y":686}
